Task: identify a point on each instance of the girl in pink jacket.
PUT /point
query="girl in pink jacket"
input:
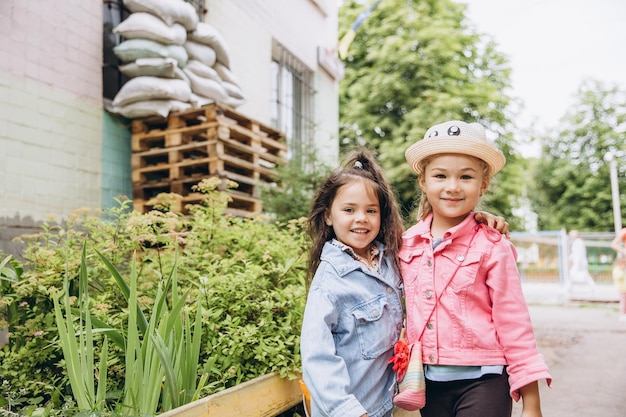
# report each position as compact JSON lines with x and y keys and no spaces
{"x":464,"y":298}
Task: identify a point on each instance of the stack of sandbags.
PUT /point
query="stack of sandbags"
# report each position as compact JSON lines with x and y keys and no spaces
{"x":169,"y":69}
{"x":208,"y":68}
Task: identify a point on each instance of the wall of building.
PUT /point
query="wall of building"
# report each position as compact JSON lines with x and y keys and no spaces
{"x":60,"y":151}
{"x":50,"y":109}
{"x":249,"y":26}
{"x":116,"y":154}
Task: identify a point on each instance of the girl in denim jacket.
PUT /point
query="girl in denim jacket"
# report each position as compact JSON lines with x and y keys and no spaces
{"x":354,"y":313}
{"x":462,"y":285}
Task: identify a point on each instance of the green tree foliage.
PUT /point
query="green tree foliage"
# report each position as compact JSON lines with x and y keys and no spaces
{"x":291,"y":195}
{"x":414,"y":64}
{"x":572,"y":182}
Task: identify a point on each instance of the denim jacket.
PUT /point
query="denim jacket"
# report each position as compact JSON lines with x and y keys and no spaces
{"x":352,"y":319}
{"x":481,"y":316}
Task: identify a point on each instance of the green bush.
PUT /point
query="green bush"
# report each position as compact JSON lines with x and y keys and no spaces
{"x":291,"y":195}
{"x":246,"y":273}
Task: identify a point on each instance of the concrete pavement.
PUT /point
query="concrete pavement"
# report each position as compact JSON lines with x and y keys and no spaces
{"x":559,"y":294}
{"x":583,"y":340}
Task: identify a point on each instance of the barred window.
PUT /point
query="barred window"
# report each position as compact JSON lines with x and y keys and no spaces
{"x":292,"y":101}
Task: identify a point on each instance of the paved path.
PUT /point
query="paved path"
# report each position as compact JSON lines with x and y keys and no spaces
{"x":584,"y":344}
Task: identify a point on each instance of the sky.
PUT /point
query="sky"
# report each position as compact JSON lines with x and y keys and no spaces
{"x":552,"y":46}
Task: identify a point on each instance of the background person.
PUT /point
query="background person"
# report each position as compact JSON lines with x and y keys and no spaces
{"x":619,"y":270}
{"x":578,"y":265}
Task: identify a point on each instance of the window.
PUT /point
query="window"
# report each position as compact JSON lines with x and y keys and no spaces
{"x":292,"y":101}
{"x":112,"y":79}
{"x":199,"y":6}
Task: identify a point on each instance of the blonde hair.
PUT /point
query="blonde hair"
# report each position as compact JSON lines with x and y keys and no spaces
{"x":424,"y":208}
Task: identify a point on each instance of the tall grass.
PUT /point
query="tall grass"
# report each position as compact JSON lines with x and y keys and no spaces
{"x":161,"y":354}
{"x":78,"y":350}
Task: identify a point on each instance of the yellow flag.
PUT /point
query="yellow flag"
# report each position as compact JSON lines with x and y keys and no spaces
{"x":346,"y":41}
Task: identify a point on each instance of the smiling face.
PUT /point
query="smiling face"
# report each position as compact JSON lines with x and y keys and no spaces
{"x":354,"y":216}
{"x":452,"y":184}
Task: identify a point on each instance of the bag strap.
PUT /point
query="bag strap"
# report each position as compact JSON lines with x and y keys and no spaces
{"x":448,"y":282}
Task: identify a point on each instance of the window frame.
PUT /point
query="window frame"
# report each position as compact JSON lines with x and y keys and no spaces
{"x":292,"y":102}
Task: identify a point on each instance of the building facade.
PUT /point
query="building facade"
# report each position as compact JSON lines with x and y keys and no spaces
{"x":61,"y":150}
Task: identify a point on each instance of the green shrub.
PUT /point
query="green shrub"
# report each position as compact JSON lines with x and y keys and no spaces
{"x":291,"y":195}
{"x":247,"y":273}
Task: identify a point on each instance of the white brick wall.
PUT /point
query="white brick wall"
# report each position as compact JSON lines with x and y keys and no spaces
{"x":50,"y":107}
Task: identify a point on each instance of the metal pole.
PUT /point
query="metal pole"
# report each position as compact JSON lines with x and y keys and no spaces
{"x":617,"y":215}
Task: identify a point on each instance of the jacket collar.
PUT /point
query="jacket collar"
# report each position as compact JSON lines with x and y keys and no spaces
{"x":422,"y":228}
{"x":344,"y":263}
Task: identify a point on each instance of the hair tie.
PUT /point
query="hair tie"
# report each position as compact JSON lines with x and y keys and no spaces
{"x":358,"y":164}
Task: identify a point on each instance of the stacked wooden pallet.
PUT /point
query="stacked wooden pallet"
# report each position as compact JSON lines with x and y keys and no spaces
{"x":171,"y":155}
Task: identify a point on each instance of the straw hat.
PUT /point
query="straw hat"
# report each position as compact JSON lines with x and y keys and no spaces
{"x":456,"y":137}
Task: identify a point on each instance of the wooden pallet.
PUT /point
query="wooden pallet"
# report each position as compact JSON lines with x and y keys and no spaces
{"x":184,"y":187}
{"x":240,"y":204}
{"x":172,"y":154}
{"x":206,"y":114}
{"x":201,"y":160}
{"x":173,"y":137}
{"x":176,"y":120}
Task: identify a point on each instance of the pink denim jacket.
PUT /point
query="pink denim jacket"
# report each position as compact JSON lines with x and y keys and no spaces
{"x":481,"y":318}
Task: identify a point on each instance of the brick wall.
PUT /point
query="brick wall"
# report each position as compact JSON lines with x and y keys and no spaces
{"x":50,"y":110}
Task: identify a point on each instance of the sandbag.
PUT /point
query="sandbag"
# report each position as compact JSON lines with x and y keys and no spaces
{"x":233,"y":90}
{"x":199,"y":101}
{"x":201,"y":53}
{"x":143,"y":25}
{"x":134,"y":49}
{"x":202,"y":70}
{"x":208,"y":35}
{"x":147,"y":108}
{"x":225,"y":73}
{"x":170,"y":11}
{"x":206,"y":87}
{"x":153,"y":67}
{"x":152,"y":88}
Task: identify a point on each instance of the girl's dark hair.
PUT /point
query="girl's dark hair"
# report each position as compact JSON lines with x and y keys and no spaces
{"x":359,"y":164}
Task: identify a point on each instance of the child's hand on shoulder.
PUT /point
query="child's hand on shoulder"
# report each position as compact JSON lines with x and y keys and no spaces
{"x":497,"y":222}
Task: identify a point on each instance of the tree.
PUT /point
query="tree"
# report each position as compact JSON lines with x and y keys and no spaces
{"x":572,"y":183}
{"x":414,"y":64}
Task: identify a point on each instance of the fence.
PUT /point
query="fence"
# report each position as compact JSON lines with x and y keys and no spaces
{"x":543,"y":256}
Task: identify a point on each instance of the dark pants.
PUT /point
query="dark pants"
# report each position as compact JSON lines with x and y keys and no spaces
{"x":487,"y":396}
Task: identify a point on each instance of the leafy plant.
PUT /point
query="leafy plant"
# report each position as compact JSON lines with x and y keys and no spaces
{"x":190,"y":305}
{"x":291,"y":195}
{"x":10,"y":273}
{"x":79,"y":354}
